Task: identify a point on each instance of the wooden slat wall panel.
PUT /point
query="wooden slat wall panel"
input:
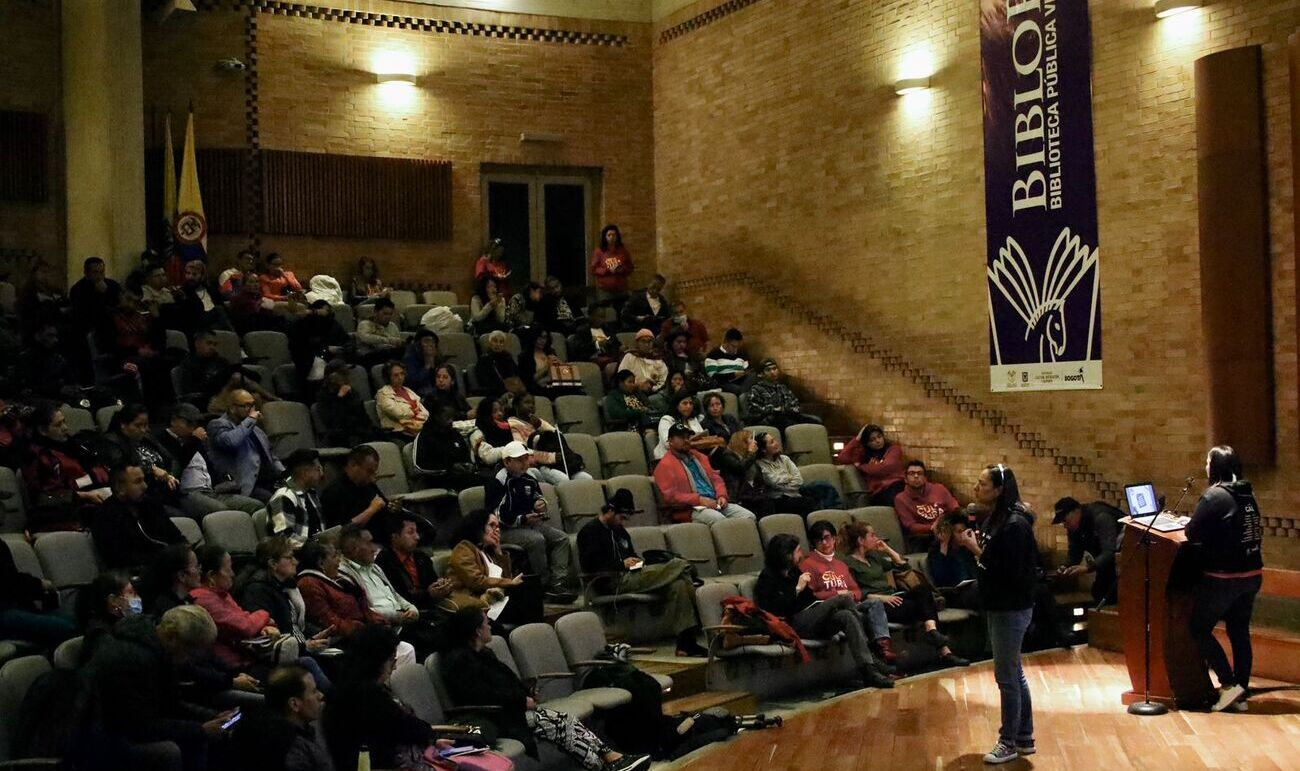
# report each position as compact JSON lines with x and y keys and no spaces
{"x":24,"y":157}
{"x":350,"y":196}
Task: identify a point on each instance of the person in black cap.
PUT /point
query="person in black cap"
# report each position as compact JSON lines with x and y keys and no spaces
{"x":772,"y":403}
{"x":605,"y":550}
{"x":1094,"y":532}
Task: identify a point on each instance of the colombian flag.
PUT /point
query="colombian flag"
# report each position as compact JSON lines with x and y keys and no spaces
{"x":191,"y":227}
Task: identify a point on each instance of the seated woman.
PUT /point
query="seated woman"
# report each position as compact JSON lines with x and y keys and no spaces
{"x":341,"y":411}
{"x":496,"y":370}
{"x":715,"y":420}
{"x":691,"y":366}
{"x":445,"y":393}
{"x":422,"y":357}
{"x":442,"y":451}
{"x":624,"y":406}
{"x":681,"y":409}
{"x":363,"y":714}
{"x":784,"y":479}
{"x":133,"y":445}
{"x":881,"y":462}
{"x":487,"y":308}
{"x":473,"y":675}
{"x":29,"y":606}
{"x":491,"y":433}
{"x":64,"y":478}
{"x":950,"y":562}
{"x":103,"y":602}
{"x":737,"y":464}
{"x":366,"y":283}
{"x":545,"y":441}
{"x":784,"y":590}
{"x":401,"y":412}
{"x":246,"y":641}
{"x":535,"y":362}
{"x":872,"y":562}
{"x":335,"y":604}
{"x":272,"y":586}
{"x":481,"y":573}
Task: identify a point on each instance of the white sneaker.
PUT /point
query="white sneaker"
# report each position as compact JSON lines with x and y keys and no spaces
{"x":1227,"y":697}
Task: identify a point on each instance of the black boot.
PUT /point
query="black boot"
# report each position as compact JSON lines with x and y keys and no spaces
{"x":872,"y":677}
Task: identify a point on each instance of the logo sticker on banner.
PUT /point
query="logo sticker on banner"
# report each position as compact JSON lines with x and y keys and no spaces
{"x":1040,"y":191}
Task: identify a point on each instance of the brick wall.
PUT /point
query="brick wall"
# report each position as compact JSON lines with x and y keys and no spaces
{"x":780,"y":149}
{"x":477,"y":93}
{"x":29,"y":60}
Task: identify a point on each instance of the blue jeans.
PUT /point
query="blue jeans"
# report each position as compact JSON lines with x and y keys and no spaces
{"x":874,"y":618}
{"x":1006,"y":635}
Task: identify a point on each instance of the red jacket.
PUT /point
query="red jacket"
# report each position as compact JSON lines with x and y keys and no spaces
{"x":829,"y":577}
{"x":877,"y":473}
{"x":233,"y":623}
{"x":329,"y":603}
{"x":611,"y":268}
{"x":674,"y":483}
{"x":918,"y":513}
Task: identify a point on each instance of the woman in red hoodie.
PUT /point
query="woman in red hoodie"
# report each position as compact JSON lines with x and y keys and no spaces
{"x":234,"y":624}
{"x":881,"y":462}
{"x":611,"y":265}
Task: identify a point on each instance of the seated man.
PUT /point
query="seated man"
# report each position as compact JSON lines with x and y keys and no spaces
{"x":624,"y":407}
{"x":605,"y":547}
{"x":692,"y":490}
{"x":517,"y":499}
{"x":378,"y":337}
{"x":358,"y":566}
{"x":921,"y":505}
{"x":295,"y":509}
{"x":280,"y":736}
{"x":241,"y":449}
{"x":131,"y":688}
{"x":771,"y":402}
{"x":727,"y":365}
{"x":648,"y":308}
{"x":411,"y":572}
{"x":201,"y":495}
{"x":1094,"y":534}
{"x":129,"y":529}
{"x":204,"y":372}
{"x":951,"y":562}
{"x":354,"y":498}
{"x":697,"y":335}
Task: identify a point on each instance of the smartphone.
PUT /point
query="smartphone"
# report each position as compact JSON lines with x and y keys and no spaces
{"x":235,"y":718}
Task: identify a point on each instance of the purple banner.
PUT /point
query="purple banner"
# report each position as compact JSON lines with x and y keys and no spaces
{"x":1040,"y":196}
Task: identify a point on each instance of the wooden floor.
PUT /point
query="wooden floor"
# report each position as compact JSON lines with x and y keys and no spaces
{"x":950,"y":719}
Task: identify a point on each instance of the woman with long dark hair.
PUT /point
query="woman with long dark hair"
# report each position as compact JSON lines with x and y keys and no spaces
{"x":1225,"y":528}
{"x":1007,"y":558}
{"x":611,"y":265}
{"x":481,"y":573}
{"x":881,"y":462}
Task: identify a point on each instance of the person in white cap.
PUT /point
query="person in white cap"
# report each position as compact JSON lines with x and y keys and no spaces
{"x":516,"y":497}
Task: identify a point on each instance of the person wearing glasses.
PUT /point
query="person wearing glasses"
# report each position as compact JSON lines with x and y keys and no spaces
{"x":241,"y":449}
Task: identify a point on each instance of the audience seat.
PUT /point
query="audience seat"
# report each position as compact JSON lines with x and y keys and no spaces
{"x":233,"y":531}
{"x":837,"y":517}
{"x":585,"y":445}
{"x":359,"y":379}
{"x":25,"y":559}
{"x":537,"y":651}
{"x":513,"y":346}
{"x":580,"y":501}
{"x":621,"y":453}
{"x":646,"y":504}
{"x":268,"y":348}
{"x":288,"y":426}
{"x":649,"y":441}
{"x":694,"y":543}
{"x":344,"y":316}
{"x":808,"y":444}
{"x":885,"y":521}
{"x":372,"y":411}
{"x":440,"y":297}
{"x":13,"y":501}
{"x":560,"y":346}
{"x":69,"y":560}
{"x":104,"y":416}
{"x":377,"y":380}
{"x":791,"y":524}
{"x":578,"y":414}
{"x":176,"y":339}
{"x":402,"y":298}
{"x":823,"y":472}
{"x":229,"y":346}
{"x":471,"y":498}
{"x":190,"y":529}
{"x":544,"y":408}
{"x":16,"y":678}
{"x":645,"y":539}
{"x":411,"y":315}
{"x":628,"y":339}
{"x":851,"y":483}
{"x":68,"y":653}
{"x":582,"y":636}
{"x":458,"y":348}
{"x":284,"y":382}
{"x":737,"y":545}
{"x":392,"y":479}
{"x":81,"y":420}
{"x":593,"y":383}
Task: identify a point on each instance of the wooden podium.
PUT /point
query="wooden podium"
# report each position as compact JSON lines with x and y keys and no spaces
{"x":1178,"y":675}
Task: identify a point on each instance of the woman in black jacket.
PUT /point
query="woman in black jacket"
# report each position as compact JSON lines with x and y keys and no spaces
{"x":1226,"y":529}
{"x":473,"y":675}
{"x":1007,"y":558}
{"x":341,"y":410}
{"x":272,"y":585}
{"x":130,"y":444}
{"x":782,"y":590}
{"x":362,"y":712}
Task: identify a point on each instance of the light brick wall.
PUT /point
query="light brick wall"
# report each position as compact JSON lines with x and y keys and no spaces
{"x":29,"y":60}
{"x":781,"y":149}
{"x":476,"y":95}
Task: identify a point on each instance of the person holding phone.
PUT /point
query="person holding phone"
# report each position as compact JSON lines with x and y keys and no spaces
{"x":481,"y":573}
{"x":281,"y":737}
{"x":517,"y":499}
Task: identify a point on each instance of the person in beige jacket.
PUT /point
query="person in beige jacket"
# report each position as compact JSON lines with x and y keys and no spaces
{"x":482,"y":575}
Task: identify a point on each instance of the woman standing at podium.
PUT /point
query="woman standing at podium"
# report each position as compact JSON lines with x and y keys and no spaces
{"x":1007,"y":560}
{"x":1226,"y":528}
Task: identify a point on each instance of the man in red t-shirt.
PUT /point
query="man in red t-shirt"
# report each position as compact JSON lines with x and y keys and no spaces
{"x":921,"y":504}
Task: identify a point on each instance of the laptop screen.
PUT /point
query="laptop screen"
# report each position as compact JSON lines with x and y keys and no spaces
{"x":1142,"y":499}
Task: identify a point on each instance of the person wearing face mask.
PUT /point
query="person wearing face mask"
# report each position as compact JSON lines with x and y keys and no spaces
{"x":109,"y":598}
{"x":697,"y":335}
{"x":129,"y":529}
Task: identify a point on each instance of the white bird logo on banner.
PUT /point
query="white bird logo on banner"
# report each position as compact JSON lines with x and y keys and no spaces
{"x":1042,"y":306}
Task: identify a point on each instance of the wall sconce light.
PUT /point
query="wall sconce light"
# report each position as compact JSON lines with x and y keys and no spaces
{"x":396,"y":77}
{"x":911,"y":85}
{"x":1167,"y":8}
